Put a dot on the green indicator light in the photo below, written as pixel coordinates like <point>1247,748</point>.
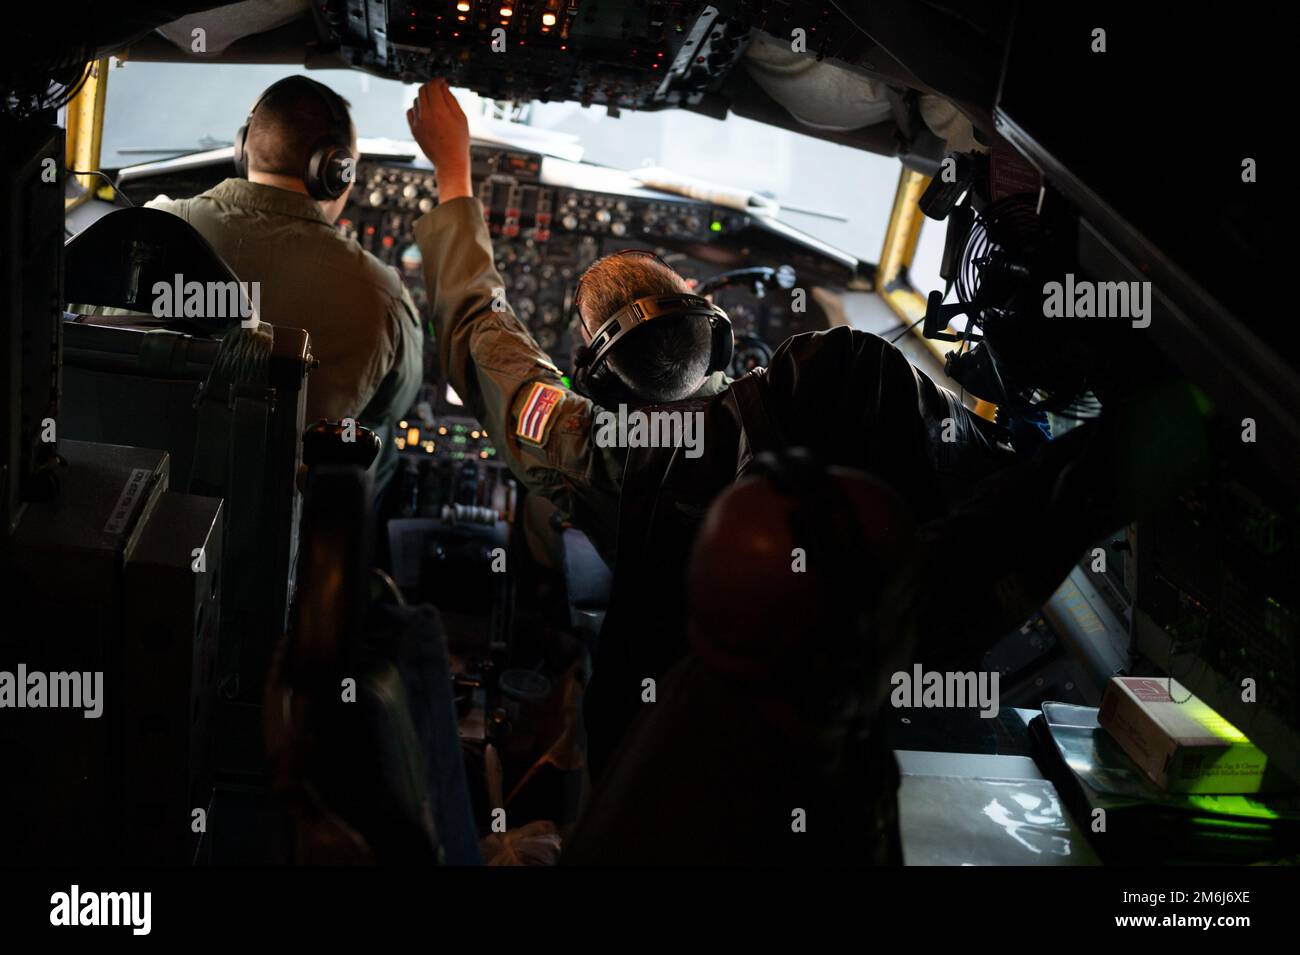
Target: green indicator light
<point>564,380</point>
<point>716,226</point>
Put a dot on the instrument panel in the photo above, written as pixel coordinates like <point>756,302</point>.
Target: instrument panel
<point>544,236</point>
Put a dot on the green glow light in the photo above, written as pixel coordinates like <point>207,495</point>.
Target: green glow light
<point>716,226</point>
<point>1239,806</point>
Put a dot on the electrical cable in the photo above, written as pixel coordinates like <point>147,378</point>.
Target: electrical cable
<point>906,330</point>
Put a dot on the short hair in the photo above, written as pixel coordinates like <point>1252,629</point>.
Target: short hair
<point>664,359</point>
<point>288,123</point>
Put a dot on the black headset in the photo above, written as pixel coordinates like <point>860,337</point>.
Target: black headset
<point>328,170</point>
<point>592,375</point>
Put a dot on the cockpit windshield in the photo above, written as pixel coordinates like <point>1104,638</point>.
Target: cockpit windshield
<point>162,110</point>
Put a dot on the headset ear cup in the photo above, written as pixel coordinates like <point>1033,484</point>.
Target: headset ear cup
<point>325,178</point>
<point>724,344</point>
<point>601,385</point>
<point>241,161</point>
<point>581,380</point>
<point>339,171</point>
<point>594,379</point>
<point>580,384</point>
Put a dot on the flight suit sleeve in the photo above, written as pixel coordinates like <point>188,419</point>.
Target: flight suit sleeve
<point>404,361</point>
<point>542,429</point>
<point>394,378</point>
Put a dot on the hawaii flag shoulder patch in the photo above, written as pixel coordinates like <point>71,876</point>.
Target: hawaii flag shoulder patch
<point>535,415</point>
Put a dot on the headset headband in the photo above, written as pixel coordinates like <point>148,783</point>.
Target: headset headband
<point>637,313</point>
<point>337,115</point>
<point>591,373</point>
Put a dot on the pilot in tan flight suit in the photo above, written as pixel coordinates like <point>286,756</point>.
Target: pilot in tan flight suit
<point>273,229</point>
<point>540,427</point>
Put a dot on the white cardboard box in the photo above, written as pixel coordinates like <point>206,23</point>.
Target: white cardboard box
<point>1178,740</point>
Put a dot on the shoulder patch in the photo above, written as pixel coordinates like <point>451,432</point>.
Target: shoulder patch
<point>535,415</point>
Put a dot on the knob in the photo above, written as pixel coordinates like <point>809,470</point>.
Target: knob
<point>570,222</point>
<point>426,204</point>
<point>328,442</point>
<point>376,198</point>
<point>618,228</point>
<point>410,192</point>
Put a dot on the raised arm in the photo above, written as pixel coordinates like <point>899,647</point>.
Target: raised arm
<point>540,428</point>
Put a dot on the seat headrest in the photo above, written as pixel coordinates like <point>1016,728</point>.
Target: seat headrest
<point>118,260</point>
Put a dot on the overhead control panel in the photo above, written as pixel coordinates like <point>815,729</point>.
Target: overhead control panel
<point>647,55</point>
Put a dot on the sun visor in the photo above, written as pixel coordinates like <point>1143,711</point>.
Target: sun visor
<point>825,96</point>
<point>223,26</point>
<point>818,94</point>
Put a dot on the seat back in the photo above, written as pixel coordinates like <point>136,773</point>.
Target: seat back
<point>119,259</point>
<point>345,751</point>
<point>224,397</point>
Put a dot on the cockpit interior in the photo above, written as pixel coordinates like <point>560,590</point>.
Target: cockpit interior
<point>1060,218</point>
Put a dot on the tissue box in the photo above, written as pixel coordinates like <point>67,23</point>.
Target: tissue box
<point>1178,740</point>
